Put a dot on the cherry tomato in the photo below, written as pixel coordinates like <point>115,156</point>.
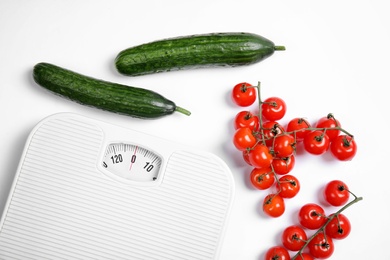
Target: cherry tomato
<point>312,216</point>
<point>277,253</point>
<point>262,178</point>
<point>284,145</point>
<point>246,119</point>
<point>298,125</point>
<point>273,108</point>
<point>316,142</point>
<point>243,139</point>
<point>273,205</point>
<point>244,94</point>
<point>293,238</point>
<point>304,256</point>
<point>336,193</point>
<point>329,122</point>
<point>343,147</point>
<point>321,246</point>
<point>245,155</point>
<point>260,156</point>
<point>288,186</point>
<point>339,227</point>
<point>283,165</point>
<point>270,130</point>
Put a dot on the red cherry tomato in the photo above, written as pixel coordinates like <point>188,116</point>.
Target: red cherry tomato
<point>329,122</point>
<point>298,125</point>
<point>321,246</point>
<point>246,119</point>
<point>284,145</point>
<point>273,108</point>
<point>260,156</point>
<point>293,238</point>
<point>336,193</point>
<point>316,142</point>
<point>283,165</point>
<point>273,205</point>
<point>312,216</point>
<point>270,130</point>
<point>262,178</point>
<point>304,256</point>
<point>245,155</point>
<point>288,186</point>
<point>244,139</point>
<point>244,94</point>
<point>277,253</point>
<point>343,147</point>
<point>339,227</point>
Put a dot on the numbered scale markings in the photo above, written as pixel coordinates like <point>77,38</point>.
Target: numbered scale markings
<point>132,162</point>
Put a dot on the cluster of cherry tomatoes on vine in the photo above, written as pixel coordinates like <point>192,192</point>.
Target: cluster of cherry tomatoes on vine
<point>325,228</point>
<point>270,148</point>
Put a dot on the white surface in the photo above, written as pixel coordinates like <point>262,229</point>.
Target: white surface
<point>337,61</point>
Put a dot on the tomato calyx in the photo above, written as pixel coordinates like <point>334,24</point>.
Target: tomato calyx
<point>261,177</point>
<point>317,214</point>
<point>340,230</point>
<point>291,182</point>
<point>302,120</point>
<point>325,244</point>
<point>347,142</point>
<point>271,103</point>
<point>269,198</point>
<point>319,138</point>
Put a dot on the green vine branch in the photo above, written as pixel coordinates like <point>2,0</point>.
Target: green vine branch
<point>322,229</point>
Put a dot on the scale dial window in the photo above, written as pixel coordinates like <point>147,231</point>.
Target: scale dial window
<point>132,162</point>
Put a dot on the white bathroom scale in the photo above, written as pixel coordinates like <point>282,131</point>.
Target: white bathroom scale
<point>87,189</point>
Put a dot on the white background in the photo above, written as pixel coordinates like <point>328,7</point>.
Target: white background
<point>337,60</point>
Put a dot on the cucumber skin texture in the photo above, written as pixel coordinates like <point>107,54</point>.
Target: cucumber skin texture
<point>113,97</point>
<point>194,51</point>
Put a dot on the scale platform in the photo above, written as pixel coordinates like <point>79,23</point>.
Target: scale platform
<point>86,189</point>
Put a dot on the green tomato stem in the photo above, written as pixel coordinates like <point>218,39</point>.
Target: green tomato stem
<point>260,112</point>
<point>322,129</point>
<point>322,229</point>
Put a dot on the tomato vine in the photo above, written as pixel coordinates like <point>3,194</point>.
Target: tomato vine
<point>270,149</point>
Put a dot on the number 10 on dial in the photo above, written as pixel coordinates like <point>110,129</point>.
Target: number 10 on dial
<point>132,162</point>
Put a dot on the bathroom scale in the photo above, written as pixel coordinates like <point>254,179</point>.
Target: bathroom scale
<point>88,189</point>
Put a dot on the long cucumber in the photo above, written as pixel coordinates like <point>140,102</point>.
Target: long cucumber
<point>195,51</point>
<point>121,99</point>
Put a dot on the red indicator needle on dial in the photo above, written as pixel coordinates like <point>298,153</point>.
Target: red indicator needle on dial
<point>132,160</point>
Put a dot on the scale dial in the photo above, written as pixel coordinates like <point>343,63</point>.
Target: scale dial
<point>132,162</point>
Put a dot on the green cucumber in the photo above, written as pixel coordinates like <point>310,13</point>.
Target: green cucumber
<point>121,99</point>
<point>195,51</point>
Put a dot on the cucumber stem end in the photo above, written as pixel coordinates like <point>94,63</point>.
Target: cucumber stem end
<point>279,48</point>
<point>183,111</point>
